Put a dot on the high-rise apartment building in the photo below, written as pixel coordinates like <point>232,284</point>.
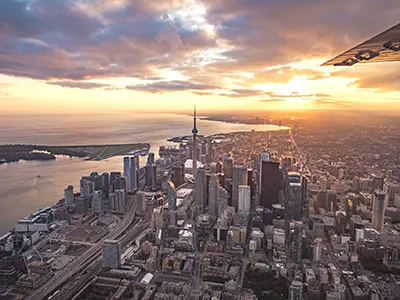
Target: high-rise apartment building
<point>133,175</point>
<point>244,198</point>
<point>82,205</point>
<point>269,183</point>
<point>151,158</point>
<point>69,195</point>
<point>97,202</point>
<point>239,178</point>
<point>120,201</point>
<point>147,175</point>
<point>378,212</point>
<point>114,176</point>
<point>105,180</point>
<point>111,254</point>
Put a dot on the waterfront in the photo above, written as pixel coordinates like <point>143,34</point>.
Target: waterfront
<point>22,193</point>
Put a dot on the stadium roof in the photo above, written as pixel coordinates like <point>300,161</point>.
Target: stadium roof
<point>383,47</point>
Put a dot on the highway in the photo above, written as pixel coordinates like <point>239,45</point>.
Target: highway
<point>84,276</point>
<point>87,257</point>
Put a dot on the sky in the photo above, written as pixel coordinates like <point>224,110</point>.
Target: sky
<point>94,56</point>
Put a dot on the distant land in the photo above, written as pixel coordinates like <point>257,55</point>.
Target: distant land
<point>244,120</point>
<point>13,153</point>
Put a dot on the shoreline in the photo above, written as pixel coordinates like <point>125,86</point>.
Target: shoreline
<point>10,153</point>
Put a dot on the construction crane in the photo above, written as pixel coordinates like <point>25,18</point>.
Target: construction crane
<point>41,258</point>
<point>27,266</point>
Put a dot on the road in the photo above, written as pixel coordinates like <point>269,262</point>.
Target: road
<point>83,277</point>
<point>84,259</point>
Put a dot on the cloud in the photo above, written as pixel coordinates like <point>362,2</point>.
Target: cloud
<point>202,93</point>
<point>71,40</point>
<point>239,93</point>
<point>214,44</point>
<point>382,78</point>
<point>298,95</point>
<point>81,85</point>
<point>272,100</point>
<point>170,86</point>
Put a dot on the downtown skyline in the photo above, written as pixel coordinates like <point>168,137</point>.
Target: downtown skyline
<point>98,56</point>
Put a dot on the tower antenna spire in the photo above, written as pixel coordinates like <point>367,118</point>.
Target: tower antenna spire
<point>194,153</point>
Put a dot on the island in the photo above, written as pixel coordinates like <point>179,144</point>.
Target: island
<point>16,152</point>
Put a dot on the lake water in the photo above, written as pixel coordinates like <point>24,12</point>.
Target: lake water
<point>22,193</point>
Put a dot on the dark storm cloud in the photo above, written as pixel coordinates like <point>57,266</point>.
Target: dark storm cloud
<point>170,86</point>
<point>81,85</point>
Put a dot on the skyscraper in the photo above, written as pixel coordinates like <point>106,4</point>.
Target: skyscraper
<point>304,195</point>
<point>105,180</point>
<point>120,201</point>
<point>69,195</point>
<point>377,183</point>
<point>171,196</point>
<point>111,254</point>
<point>293,201</point>
<point>154,176</point>
<point>228,167</point>
<point>97,202</point>
<point>147,174</point>
<point>213,195</point>
<point>194,132</point>
<point>222,199</point>
<point>114,176</point>
<point>262,157</point>
<point>378,213</point>
<point>269,183</point>
<point>297,242</point>
<point>130,172</point>
<point>244,198</point>
<point>133,173</point>
<point>82,205</point>
<point>239,178</point>
<point>150,158</point>
<point>201,192</point>
<point>317,249</point>
<point>178,174</point>
<point>127,165</point>
<point>86,187</point>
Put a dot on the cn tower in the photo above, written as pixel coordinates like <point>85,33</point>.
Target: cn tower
<point>194,156</point>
